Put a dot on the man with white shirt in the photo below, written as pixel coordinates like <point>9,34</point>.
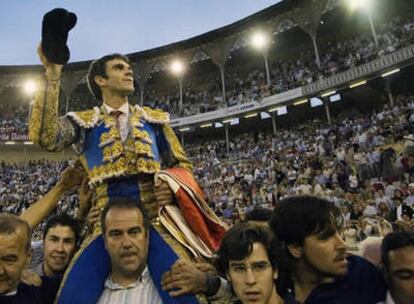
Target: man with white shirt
<point>125,230</point>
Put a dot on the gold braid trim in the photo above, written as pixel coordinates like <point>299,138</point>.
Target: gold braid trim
<point>143,149</point>
<point>101,201</point>
<point>109,137</point>
<point>35,119</point>
<point>147,166</point>
<point>86,119</point>
<point>146,192</point>
<point>113,151</point>
<point>100,173</point>
<point>43,125</point>
<point>142,135</point>
<point>155,116</point>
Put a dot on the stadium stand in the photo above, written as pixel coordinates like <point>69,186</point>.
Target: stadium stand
<point>350,157</point>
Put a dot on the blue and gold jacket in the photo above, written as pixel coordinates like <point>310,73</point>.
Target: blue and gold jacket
<point>115,168</point>
<point>151,143</point>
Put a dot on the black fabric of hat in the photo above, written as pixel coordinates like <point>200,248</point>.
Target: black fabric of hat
<point>56,25</point>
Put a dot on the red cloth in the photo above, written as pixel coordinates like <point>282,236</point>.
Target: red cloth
<point>206,228</point>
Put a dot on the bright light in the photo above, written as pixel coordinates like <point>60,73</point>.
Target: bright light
<point>326,94</point>
<point>30,87</point>
<point>357,84</point>
<point>227,120</point>
<point>260,41</point>
<point>184,129</point>
<point>360,4</point>
<point>206,125</point>
<point>390,73</point>
<point>28,143</point>
<point>177,67</point>
<point>250,115</point>
<point>300,102</point>
<point>273,109</point>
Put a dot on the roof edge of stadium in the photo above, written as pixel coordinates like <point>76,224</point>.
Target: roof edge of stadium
<point>224,31</point>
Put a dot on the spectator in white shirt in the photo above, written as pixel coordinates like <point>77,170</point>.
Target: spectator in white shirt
<point>125,231</point>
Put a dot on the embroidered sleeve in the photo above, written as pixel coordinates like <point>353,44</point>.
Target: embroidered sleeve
<point>45,127</point>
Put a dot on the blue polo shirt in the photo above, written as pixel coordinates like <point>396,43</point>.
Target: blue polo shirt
<point>363,284</point>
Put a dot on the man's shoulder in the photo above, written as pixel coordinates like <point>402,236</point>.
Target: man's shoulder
<point>86,119</point>
<point>366,277</point>
<point>363,283</point>
<point>357,264</point>
<point>156,116</point>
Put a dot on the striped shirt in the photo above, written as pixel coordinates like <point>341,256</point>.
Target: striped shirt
<point>143,291</point>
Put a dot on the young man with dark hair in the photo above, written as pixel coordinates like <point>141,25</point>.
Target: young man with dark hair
<point>248,258</point>
<point>15,236</point>
<point>319,269</point>
<point>122,147</point>
<point>186,277</point>
<point>60,239</point>
<point>397,252</point>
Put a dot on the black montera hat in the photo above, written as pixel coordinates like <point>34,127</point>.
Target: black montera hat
<point>56,25</point>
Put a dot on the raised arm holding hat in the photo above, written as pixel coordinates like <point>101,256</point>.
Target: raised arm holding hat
<point>122,147</point>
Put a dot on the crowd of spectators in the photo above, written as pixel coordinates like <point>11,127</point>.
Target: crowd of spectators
<point>357,162</point>
<point>23,184</point>
<point>13,122</point>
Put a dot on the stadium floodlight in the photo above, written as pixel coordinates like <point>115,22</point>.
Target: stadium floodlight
<point>177,67</point>
<point>360,4</point>
<point>206,125</point>
<point>367,6</point>
<point>30,87</point>
<point>326,94</point>
<point>273,109</point>
<point>227,120</point>
<point>390,73</point>
<point>300,102</point>
<point>184,129</point>
<point>260,40</point>
<point>357,84</point>
<point>250,115</point>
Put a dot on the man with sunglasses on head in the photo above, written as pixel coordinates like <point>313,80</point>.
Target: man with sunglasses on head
<point>319,270</point>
